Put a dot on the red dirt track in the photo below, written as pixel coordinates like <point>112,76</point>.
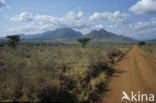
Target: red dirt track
<point>134,72</point>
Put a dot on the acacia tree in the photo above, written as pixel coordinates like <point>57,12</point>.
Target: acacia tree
<point>141,43</point>
<point>13,40</point>
<point>83,41</point>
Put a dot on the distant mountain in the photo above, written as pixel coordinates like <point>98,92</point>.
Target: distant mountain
<point>105,36</point>
<point>100,34</point>
<point>152,41</point>
<point>2,39</point>
<point>60,34</point>
<point>67,34</point>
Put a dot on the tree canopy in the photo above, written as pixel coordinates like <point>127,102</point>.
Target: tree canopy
<point>13,40</point>
<point>141,43</point>
<point>83,41</point>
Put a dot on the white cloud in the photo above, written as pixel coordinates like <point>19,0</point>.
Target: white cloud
<point>80,14</point>
<point>8,7</point>
<point>143,30</point>
<point>71,20</point>
<point>2,2</point>
<point>27,29</point>
<point>116,17</point>
<point>76,21</point>
<point>23,17</point>
<point>144,7</point>
<point>45,19</point>
<point>147,25</point>
<point>40,23</point>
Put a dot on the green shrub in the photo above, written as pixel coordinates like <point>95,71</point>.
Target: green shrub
<point>83,41</point>
<point>13,40</point>
<point>141,43</point>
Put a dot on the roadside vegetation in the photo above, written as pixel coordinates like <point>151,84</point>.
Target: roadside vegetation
<point>56,73</point>
<point>149,50</point>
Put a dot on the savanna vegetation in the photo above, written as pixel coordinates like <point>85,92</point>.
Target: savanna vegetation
<point>141,43</point>
<point>56,73</point>
<point>13,40</point>
<point>149,50</point>
<point>83,41</point>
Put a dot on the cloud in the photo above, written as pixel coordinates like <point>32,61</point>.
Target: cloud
<point>71,20</point>
<point>8,7</point>
<point>118,23</point>
<point>143,30</point>
<point>77,21</point>
<point>116,17</point>
<point>144,7</point>
<point>27,29</point>
<point>23,17</point>
<point>146,25</point>
<point>2,2</point>
<point>40,23</point>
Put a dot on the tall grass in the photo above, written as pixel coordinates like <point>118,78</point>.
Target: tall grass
<point>43,73</point>
<point>149,50</point>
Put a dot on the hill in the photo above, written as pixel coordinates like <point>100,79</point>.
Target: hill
<point>105,36</point>
<point>62,34</point>
<point>68,34</point>
<point>152,41</point>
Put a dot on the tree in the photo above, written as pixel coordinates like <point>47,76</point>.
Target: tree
<point>13,40</point>
<point>83,41</point>
<point>141,43</point>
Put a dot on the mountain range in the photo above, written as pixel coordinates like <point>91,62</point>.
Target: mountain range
<point>62,34</point>
<point>68,34</point>
<point>152,41</point>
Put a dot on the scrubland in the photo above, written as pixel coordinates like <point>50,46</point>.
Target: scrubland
<point>57,73</point>
<point>149,50</point>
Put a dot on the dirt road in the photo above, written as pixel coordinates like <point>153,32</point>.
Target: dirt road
<point>135,72</point>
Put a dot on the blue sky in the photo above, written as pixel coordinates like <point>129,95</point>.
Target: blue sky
<point>132,18</point>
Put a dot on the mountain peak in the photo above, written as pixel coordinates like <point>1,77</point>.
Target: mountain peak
<point>64,29</point>
<point>68,34</point>
<point>105,36</point>
<point>61,34</point>
<point>102,30</point>
<point>100,34</point>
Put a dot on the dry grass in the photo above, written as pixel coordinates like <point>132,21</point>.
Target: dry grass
<point>56,73</point>
<point>149,50</point>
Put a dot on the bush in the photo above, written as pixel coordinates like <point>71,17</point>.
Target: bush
<point>83,41</point>
<point>142,43</point>
<point>54,73</point>
<point>115,54</point>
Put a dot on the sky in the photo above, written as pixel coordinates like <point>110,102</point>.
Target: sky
<point>132,18</point>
